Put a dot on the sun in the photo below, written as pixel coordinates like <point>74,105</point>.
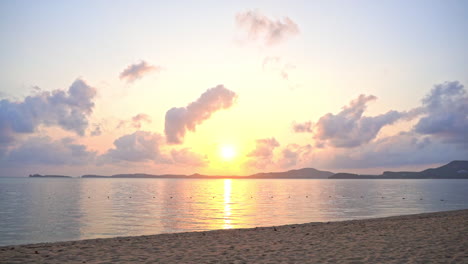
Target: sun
<point>227,152</point>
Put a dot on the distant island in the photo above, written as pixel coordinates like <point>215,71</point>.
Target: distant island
<point>454,170</point>
<point>305,173</point>
<point>48,176</point>
<point>457,169</point>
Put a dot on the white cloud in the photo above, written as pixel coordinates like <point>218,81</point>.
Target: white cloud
<point>276,65</point>
<point>403,149</point>
<point>140,146</point>
<point>305,127</point>
<point>439,136</point>
<point>46,151</point>
<point>188,158</point>
<point>180,119</point>
<point>139,119</point>
<point>293,155</point>
<point>263,154</point>
<point>446,108</point>
<point>135,122</point>
<point>136,71</point>
<point>67,109</point>
<point>144,146</point>
<point>349,128</point>
<point>265,29</point>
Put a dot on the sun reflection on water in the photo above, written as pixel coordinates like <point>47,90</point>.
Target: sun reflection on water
<point>227,204</point>
<point>98,208</point>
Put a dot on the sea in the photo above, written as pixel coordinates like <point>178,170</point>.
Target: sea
<point>34,210</point>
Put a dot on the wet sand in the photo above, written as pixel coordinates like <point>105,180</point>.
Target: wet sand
<point>424,238</point>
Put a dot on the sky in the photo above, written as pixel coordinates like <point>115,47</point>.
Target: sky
<point>231,88</point>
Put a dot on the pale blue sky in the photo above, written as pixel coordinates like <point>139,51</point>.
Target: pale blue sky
<point>54,41</point>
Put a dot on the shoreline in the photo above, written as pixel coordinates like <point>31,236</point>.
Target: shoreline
<point>418,238</point>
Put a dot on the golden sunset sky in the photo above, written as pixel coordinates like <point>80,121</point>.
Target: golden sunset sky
<point>238,87</point>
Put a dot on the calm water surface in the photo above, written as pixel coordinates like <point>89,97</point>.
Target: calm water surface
<point>47,210</point>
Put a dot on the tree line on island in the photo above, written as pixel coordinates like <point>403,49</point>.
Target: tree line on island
<point>454,170</point>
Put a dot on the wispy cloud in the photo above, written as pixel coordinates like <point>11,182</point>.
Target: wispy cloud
<point>267,30</point>
<point>187,157</point>
<point>180,119</point>
<point>305,127</point>
<point>263,154</point>
<point>277,65</point>
<point>140,118</point>
<point>135,122</point>
<point>136,71</point>
<point>294,154</point>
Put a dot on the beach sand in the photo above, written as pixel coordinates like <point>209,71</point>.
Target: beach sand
<point>424,238</point>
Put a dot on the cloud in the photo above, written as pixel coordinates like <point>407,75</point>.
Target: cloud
<point>135,122</point>
<point>144,146</point>
<point>45,151</point>
<point>136,71</point>
<point>67,109</point>
<point>189,158</point>
<point>446,113</point>
<point>305,127</point>
<point>268,31</point>
<point>275,64</point>
<point>439,135</point>
<point>264,148</point>
<point>96,131</point>
<point>268,61</point>
<point>263,154</point>
<point>180,119</point>
<point>349,128</point>
<point>403,149</point>
<point>140,118</point>
<point>140,146</point>
<point>294,154</point>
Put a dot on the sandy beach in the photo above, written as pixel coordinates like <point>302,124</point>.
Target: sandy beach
<point>424,238</point>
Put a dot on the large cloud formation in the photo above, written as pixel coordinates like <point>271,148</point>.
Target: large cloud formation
<point>446,108</point>
<point>259,26</point>
<point>136,71</point>
<point>349,128</point>
<point>144,146</point>
<point>403,149</point>
<point>439,136</point>
<point>180,119</point>
<point>45,151</point>
<point>67,109</point>
<point>140,146</point>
